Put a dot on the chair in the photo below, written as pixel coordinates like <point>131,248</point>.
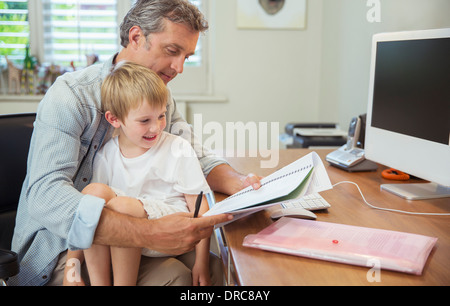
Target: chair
<point>15,136</point>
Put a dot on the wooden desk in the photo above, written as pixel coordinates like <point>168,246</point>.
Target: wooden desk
<point>257,267</point>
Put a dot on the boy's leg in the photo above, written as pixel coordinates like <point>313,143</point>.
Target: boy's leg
<point>99,190</point>
<point>98,262</point>
<point>98,257</point>
<point>127,206</point>
<point>72,273</point>
<point>57,277</point>
<point>126,261</point>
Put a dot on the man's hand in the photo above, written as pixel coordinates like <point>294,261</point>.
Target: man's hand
<point>179,233</point>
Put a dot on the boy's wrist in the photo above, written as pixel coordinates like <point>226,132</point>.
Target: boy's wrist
<point>202,252</point>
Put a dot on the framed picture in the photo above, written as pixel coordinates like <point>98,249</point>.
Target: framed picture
<point>271,14</point>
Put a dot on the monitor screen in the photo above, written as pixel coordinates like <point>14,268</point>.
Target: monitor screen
<point>408,117</point>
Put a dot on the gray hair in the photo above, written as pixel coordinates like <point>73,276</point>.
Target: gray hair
<point>149,15</point>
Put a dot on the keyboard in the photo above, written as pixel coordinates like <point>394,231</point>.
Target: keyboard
<point>309,202</point>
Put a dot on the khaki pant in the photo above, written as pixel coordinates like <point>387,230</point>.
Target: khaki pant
<point>155,271</point>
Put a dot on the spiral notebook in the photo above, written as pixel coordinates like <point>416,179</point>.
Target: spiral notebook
<point>304,176</point>
<point>361,246</point>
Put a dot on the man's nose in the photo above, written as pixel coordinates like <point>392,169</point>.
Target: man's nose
<point>178,64</point>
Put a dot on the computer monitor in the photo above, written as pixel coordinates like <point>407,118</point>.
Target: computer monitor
<point>408,116</point>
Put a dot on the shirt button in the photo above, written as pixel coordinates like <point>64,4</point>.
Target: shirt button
<point>44,277</point>
<point>85,180</point>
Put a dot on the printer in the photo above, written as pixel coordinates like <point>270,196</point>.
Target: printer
<point>306,135</point>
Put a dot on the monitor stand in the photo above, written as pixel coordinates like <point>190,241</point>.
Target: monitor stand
<point>418,191</point>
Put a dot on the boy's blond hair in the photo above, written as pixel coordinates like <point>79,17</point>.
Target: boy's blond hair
<point>129,85</point>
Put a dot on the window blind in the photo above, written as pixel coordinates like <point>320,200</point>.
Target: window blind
<point>76,28</point>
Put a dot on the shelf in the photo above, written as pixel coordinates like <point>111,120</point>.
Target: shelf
<point>21,98</point>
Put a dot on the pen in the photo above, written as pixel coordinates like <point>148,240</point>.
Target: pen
<point>198,203</point>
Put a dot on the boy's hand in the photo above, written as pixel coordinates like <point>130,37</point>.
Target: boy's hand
<point>200,275</point>
<point>252,180</point>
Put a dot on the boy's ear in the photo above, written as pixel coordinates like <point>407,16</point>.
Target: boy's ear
<point>113,120</point>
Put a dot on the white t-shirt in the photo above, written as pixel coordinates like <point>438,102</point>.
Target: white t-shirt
<point>163,174</point>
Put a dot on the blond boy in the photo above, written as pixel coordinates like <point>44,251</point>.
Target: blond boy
<point>143,172</point>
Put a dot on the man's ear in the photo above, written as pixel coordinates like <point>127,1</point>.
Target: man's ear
<point>113,120</point>
<point>134,36</point>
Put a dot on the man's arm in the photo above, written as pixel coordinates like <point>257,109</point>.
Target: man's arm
<point>173,234</point>
<point>53,161</point>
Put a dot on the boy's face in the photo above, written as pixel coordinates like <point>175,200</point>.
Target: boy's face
<point>142,129</point>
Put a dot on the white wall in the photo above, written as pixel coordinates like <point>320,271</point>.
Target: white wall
<point>346,43</point>
<point>317,74</point>
<point>267,75</point>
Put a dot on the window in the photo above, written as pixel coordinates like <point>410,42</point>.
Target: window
<point>59,31</point>
<point>196,59</point>
<point>14,29</point>
<point>73,29</point>
<point>62,32</point>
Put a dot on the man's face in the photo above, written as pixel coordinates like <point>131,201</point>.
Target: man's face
<point>166,52</point>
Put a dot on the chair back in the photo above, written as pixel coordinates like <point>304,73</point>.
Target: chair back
<point>15,136</point>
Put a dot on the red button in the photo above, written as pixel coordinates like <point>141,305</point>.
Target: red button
<point>335,241</point>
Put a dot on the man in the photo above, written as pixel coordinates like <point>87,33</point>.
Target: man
<point>70,127</point>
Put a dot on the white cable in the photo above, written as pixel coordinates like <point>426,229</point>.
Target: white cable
<point>389,209</point>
